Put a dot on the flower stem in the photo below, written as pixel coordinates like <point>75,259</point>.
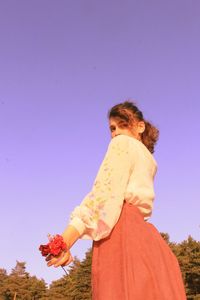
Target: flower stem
<point>64,270</point>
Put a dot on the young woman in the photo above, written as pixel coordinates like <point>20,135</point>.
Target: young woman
<point>131,261</point>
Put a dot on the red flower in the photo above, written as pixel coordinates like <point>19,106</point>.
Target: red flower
<point>55,246</point>
<point>45,250</point>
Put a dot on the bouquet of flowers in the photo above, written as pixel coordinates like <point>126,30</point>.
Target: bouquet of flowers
<point>55,246</point>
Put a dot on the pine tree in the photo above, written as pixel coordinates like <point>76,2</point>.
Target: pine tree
<point>165,236</point>
<point>3,277</point>
<point>57,289</point>
<point>64,288</point>
<point>71,280</point>
<point>82,279</point>
<point>37,288</point>
<point>20,285</point>
<point>188,254</point>
<point>20,269</point>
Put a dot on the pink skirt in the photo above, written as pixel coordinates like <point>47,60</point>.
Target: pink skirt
<point>135,263</point>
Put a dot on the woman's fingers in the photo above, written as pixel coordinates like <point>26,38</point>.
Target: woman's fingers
<point>64,259</point>
<point>68,262</point>
<point>52,261</point>
<point>49,257</point>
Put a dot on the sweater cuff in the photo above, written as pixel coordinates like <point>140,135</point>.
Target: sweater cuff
<point>78,224</point>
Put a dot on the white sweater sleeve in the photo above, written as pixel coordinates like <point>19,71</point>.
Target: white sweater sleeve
<point>99,211</point>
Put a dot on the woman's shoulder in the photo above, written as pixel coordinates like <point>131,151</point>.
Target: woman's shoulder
<point>125,140</point>
<point>134,145</point>
<point>122,141</point>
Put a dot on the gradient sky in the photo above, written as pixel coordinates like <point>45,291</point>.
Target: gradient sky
<point>63,64</point>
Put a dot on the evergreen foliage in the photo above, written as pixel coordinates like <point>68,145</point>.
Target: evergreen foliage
<point>81,289</point>
<point>76,285</point>
<point>63,288</point>
<point>20,285</point>
<point>188,254</point>
<point>20,269</point>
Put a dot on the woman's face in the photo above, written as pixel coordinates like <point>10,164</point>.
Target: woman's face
<point>135,131</point>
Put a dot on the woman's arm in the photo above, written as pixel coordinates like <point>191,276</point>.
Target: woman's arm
<point>99,211</point>
<point>70,236</point>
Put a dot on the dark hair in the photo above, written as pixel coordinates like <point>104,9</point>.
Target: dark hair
<point>126,114</point>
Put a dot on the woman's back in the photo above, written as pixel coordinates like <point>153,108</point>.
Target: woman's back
<point>140,189</point>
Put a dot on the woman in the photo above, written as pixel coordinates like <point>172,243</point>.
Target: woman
<point>130,258</point>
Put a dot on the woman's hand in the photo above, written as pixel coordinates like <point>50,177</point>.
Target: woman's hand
<point>70,236</point>
<point>64,259</point>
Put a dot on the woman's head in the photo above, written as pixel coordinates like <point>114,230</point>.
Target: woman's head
<point>126,118</point>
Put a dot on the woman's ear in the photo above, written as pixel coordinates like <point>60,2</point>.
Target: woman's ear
<point>141,126</point>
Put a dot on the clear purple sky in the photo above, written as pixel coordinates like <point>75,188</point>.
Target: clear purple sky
<point>63,64</point>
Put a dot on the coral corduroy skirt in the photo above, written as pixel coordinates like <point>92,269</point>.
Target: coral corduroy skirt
<point>135,263</point>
